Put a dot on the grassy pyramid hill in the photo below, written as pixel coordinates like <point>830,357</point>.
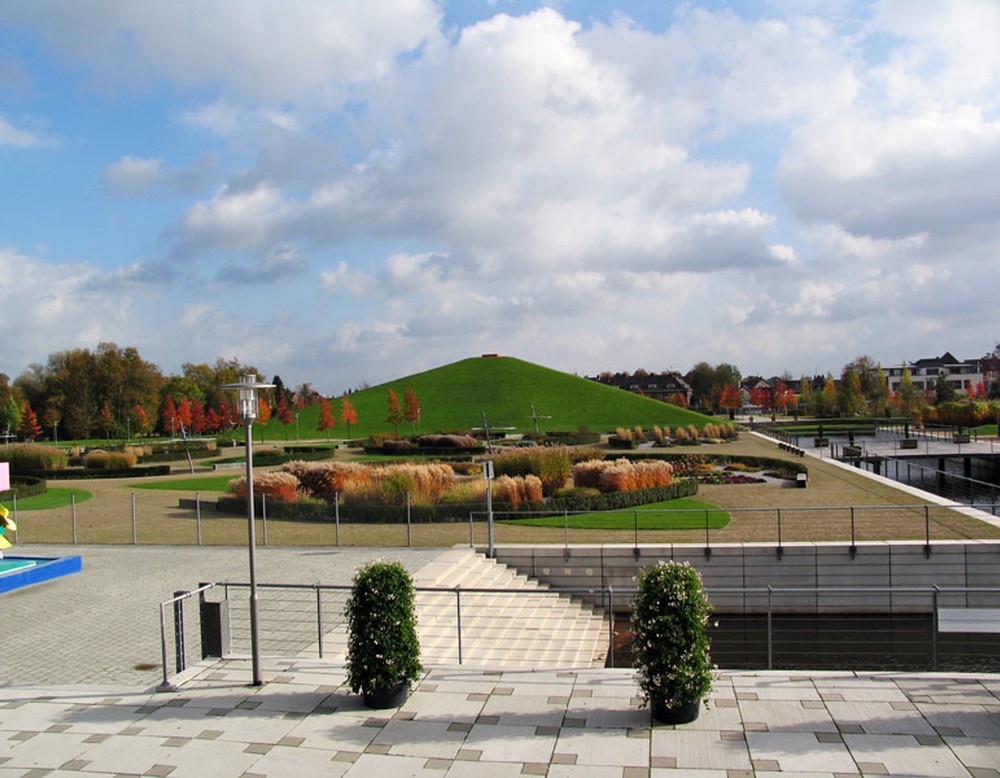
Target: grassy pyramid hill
<point>455,396</point>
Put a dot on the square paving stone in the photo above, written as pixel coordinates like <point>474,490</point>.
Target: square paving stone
<point>903,755</point>
<point>801,751</point>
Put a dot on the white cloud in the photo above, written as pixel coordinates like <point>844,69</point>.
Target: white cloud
<point>13,137</point>
<point>260,51</point>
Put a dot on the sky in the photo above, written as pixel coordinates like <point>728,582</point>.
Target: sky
<point>348,192</point>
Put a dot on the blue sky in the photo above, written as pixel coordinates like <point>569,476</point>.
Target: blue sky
<point>347,192</point>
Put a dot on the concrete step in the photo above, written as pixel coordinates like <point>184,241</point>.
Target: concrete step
<point>524,626</point>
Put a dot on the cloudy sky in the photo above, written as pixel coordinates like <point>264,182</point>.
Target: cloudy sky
<point>345,191</point>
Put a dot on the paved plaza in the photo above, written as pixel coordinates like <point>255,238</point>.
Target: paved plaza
<point>72,702</point>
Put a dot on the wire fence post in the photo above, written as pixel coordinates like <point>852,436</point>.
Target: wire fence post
<point>319,620</point>
<point>611,625</point>
<point>708,545</point>
<point>72,502</point>
<point>781,550</point>
<point>135,532</point>
<point>934,627</point>
<point>635,533</point>
<point>458,619</point>
<point>409,525</point>
<point>197,514</point>
<point>770,632</point>
<point>854,546</point>
<point>14,508</point>
<point>927,531</point>
<point>336,516</point>
<point>263,515</point>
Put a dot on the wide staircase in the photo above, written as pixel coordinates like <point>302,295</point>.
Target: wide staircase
<point>526,625</point>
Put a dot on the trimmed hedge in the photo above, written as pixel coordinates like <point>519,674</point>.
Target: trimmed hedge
<point>427,451</point>
<point>23,486</point>
<point>78,472</point>
<point>173,456</point>
<point>364,513</point>
<point>608,501</point>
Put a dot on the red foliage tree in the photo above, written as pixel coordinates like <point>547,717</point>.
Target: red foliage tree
<point>198,425</point>
<point>168,416</point>
<point>30,428</point>
<point>347,413</point>
<point>284,413</point>
<point>730,399</point>
<point>184,413</point>
<point>140,420</point>
<point>326,421</point>
<point>212,421</point>
<point>395,415</point>
<point>411,406</point>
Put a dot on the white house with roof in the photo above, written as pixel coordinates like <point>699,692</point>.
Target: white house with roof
<point>925,373</point>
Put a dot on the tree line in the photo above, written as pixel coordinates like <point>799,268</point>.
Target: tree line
<point>112,392</point>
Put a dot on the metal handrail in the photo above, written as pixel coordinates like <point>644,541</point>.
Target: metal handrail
<point>607,595</point>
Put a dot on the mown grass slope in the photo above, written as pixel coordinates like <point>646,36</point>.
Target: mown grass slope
<point>455,396</point>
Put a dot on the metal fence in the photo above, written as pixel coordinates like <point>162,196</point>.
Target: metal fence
<point>195,522</point>
<point>753,628</point>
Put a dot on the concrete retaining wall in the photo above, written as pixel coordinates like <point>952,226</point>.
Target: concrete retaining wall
<point>883,565</point>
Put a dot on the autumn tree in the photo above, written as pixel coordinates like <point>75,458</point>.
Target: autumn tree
<point>326,421</point>
<point>395,414</point>
<point>139,421</point>
<point>411,406</point>
<point>263,410</point>
<point>168,416</point>
<point>829,397</point>
<point>283,412</point>
<point>30,429</point>
<point>348,415</point>
<point>106,421</point>
<point>184,414</point>
<point>731,399</point>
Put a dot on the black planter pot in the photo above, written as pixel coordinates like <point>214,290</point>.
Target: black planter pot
<point>682,714</point>
<point>387,698</point>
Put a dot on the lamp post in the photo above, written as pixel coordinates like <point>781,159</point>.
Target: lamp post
<point>246,408</point>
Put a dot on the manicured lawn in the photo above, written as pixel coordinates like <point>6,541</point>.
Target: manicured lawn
<point>684,513</point>
<point>210,483</point>
<point>53,498</point>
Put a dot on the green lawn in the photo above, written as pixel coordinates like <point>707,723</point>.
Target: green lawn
<point>683,513</point>
<point>209,483</point>
<point>53,498</point>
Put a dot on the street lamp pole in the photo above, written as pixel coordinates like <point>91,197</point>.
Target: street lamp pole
<point>246,391</point>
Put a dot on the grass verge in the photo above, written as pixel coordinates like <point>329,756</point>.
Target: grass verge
<point>683,513</point>
<point>53,498</point>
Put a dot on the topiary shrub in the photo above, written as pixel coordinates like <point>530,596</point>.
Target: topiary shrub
<point>670,626</point>
<point>383,651</point>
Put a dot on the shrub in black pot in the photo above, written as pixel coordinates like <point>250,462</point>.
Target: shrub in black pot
<point>383,652</point>
<point>670,616</point>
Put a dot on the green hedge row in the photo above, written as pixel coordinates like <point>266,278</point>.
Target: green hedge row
<point>609,501</point>
<point>23,486</point>
<point>364,513</point>
<point>427,451</point>
<point>173,456</point>
<point>70,473</point>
